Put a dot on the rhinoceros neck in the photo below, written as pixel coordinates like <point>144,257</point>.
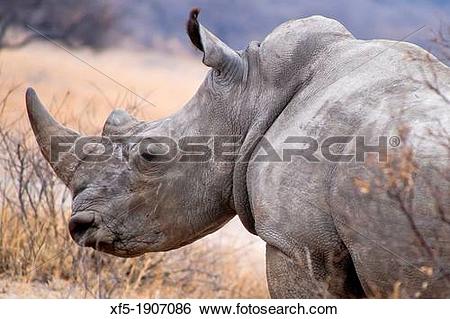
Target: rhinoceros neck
<point>250,121</point>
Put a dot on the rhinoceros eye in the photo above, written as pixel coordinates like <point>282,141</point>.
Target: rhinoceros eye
<point>154,152</point>
<point>147,156</point>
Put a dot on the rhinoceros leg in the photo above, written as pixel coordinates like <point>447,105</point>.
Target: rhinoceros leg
<point>286,279</point>
<point>306,258</point>
<point>289,278</point>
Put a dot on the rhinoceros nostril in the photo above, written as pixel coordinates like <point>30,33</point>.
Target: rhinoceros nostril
<point>80,223</point>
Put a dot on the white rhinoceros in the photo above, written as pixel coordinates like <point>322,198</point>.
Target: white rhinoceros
<point>329,232</point>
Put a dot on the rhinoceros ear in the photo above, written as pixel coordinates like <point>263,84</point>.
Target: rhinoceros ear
<point>118,122</point>
<point>216,54</point>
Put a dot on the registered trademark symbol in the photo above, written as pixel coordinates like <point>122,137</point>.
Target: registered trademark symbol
<point>394,141</point>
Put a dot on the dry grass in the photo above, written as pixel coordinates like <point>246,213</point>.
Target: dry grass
<point>37,256</point>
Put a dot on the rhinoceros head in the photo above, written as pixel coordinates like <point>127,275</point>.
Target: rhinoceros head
<point>134,201</point>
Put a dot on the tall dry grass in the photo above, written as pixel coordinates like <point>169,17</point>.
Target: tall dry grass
<point>35,247</point>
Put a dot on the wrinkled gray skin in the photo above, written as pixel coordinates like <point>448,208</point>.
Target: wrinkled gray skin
<point>308,77</point>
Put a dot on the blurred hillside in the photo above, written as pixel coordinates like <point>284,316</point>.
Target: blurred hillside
<point>161,23</point>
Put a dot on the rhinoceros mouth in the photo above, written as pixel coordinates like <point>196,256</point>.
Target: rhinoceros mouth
<point>96,238</point>
<point>98,243</point>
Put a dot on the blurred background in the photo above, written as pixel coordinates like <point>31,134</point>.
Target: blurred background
<point>69,51</point>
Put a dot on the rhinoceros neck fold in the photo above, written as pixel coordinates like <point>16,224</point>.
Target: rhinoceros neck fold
<point>253,134</point>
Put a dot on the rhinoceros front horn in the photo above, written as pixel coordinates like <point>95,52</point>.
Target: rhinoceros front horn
<point>50,135</point>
